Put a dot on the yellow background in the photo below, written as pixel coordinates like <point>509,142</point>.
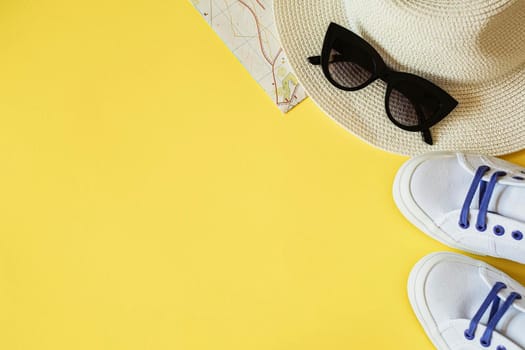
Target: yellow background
<point>153,197</point>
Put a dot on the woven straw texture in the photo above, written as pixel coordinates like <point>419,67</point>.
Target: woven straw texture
<point>476,53</point>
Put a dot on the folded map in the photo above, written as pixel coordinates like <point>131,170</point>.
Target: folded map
<point>248,29</point>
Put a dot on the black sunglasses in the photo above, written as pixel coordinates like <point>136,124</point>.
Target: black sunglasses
<point>412,103</point>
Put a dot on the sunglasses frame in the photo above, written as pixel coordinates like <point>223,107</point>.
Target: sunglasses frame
<point>391,77</point>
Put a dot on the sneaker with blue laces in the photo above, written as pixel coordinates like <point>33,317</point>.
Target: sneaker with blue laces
<point>465,304</point>
<point>469,202</point>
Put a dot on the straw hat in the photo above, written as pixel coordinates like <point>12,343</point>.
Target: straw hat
<point>473,49</point>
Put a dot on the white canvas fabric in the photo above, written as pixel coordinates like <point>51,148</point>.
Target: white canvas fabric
<point>473,49</point>
<point>446,290</point>
<point>431,190</point>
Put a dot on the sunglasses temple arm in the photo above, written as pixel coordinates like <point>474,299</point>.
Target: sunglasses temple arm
<point>427,136</point>
<point>315,60</point>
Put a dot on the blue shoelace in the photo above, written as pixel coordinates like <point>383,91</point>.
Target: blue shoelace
<point>485,194</point>
<point>496,313</point>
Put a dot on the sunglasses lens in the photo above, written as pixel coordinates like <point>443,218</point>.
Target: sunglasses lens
<point>350,66</point>
<point>401,108</point>
<point>402,105</point>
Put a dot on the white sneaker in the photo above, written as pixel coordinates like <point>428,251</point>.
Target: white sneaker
<point>466,304</point>
<point>440,194</point>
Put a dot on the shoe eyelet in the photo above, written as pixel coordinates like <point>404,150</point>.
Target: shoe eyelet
<point>464,225</point>
<point>520,178</point>
<point>501,347</point>
<point>484,343</point>
<point>498,230</point>
<point>468,335</point>
<point>517,235</point>
<point>481,228</point>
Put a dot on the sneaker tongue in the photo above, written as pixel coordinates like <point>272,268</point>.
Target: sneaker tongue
<point>515,174</point>
<point>491,277</point>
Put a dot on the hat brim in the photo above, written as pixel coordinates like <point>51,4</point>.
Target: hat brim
<point>490,117</point>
